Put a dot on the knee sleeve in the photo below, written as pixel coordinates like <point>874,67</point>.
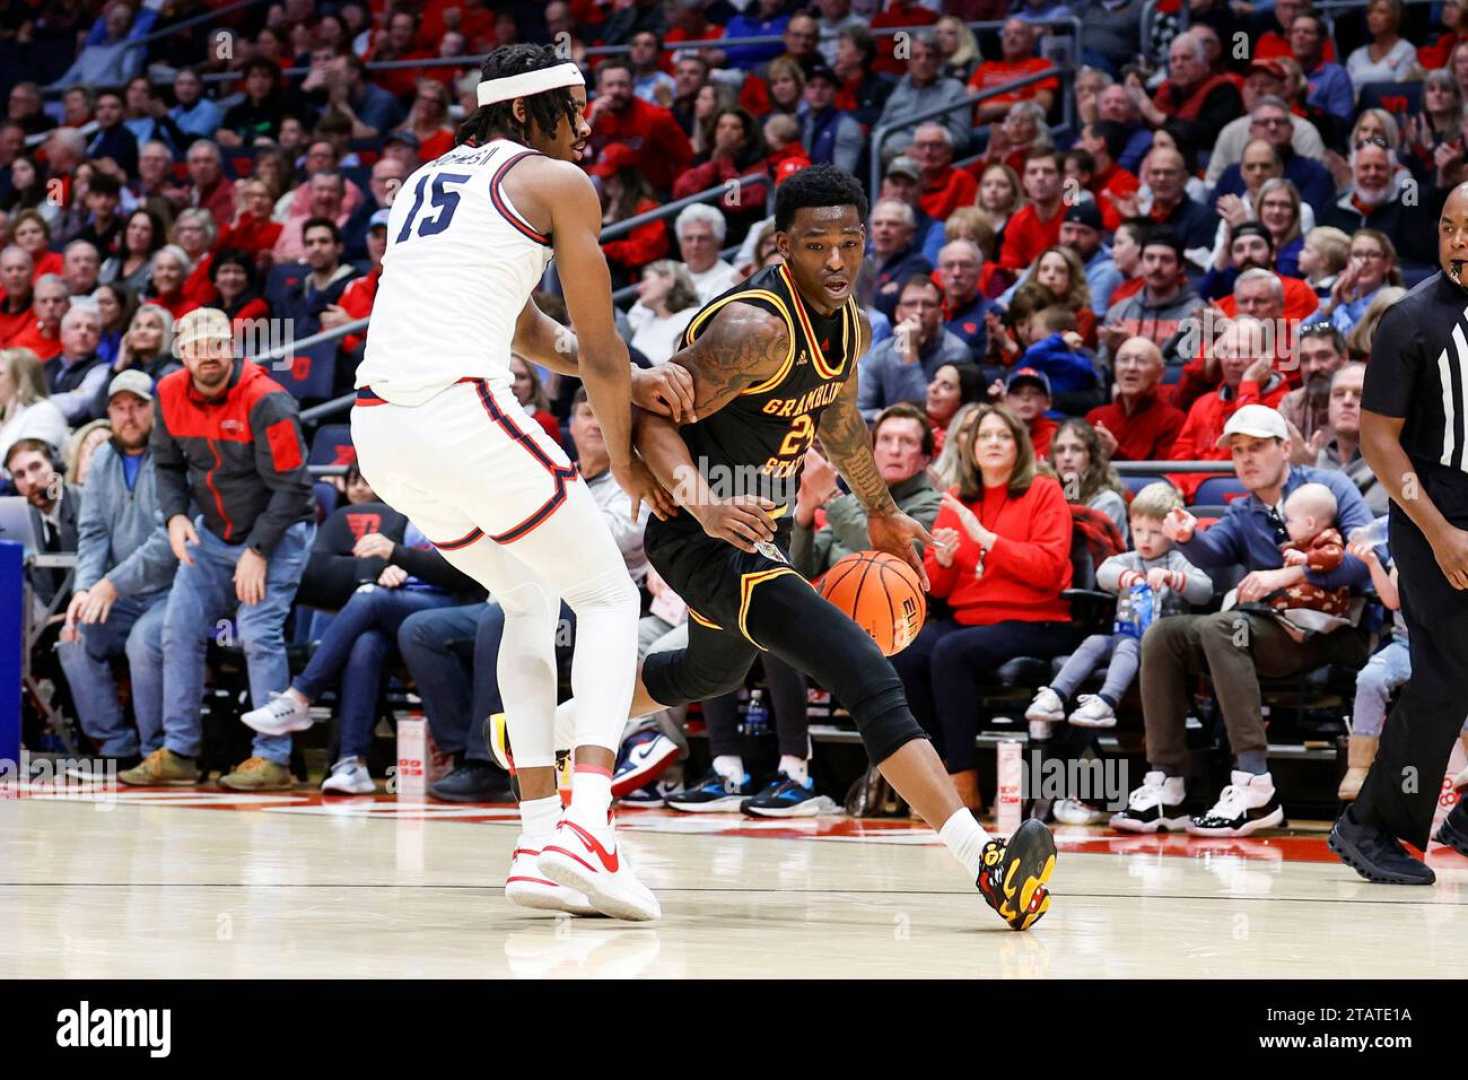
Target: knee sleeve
<point>679,676</point>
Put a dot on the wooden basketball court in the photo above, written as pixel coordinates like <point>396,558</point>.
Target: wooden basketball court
<point>207,884</point>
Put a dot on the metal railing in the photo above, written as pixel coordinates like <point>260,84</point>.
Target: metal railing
<point>622,228</point>
<point>881,131</point>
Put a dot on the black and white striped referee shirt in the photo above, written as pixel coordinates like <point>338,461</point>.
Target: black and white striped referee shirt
<point>1419,372</point>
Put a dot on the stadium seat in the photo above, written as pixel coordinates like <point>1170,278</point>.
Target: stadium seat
<point>1219,491</point>
<point>283,277</point>
<point>332,445</point>
<point>1400,98</point>
<point>1172,374</point>
<point>1135,482</point>
<point>327,497</point>
<point>310,374</point>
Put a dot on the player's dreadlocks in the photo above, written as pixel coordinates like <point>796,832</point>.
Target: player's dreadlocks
<point>544,110</point>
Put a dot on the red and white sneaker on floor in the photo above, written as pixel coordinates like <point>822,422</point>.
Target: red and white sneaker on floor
<point>527,887</point>
<point>589,860</point>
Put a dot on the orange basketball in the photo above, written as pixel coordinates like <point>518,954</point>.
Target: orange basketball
<point>883,596</point>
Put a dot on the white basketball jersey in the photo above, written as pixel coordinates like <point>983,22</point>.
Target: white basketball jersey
<point>460,264</point>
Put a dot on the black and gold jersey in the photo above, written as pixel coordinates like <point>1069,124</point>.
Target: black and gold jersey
<point>756,443</point>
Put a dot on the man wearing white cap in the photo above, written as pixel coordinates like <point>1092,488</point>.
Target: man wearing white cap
<point>1238,646</point>
<point>123,571</point>
<point>227,437</point>
<point>441,438</point>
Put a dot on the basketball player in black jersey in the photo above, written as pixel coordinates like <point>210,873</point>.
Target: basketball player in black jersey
<point>774,366</point>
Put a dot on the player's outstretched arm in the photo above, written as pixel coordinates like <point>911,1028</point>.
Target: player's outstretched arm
<point>847,444</point>
<point>665,389</point>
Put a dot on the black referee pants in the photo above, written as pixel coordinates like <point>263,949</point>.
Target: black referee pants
<point>1402,789</point>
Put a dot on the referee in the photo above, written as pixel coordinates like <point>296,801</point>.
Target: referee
<point>1414,435</point>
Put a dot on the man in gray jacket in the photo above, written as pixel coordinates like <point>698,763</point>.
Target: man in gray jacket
<point>900,367</point>
<point>902,447</point>
<point>925,87</point>
<point>124,570</point>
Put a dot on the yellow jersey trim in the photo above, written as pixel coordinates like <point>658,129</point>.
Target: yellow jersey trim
<point>696,326</point>
<point>747,583</point>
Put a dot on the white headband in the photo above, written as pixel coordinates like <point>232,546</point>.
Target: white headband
<point>531,82</point>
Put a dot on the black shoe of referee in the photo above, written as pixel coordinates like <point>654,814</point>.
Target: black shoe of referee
<point>1454,829</point>
<point>1013,875</point>
<point>1375,854</point>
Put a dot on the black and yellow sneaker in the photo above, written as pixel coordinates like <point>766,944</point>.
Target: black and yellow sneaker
<point>1013,876</point>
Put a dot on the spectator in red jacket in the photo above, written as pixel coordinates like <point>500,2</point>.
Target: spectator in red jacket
<point>195,231</point>
<point>15,293</point>
<point>1138,425</point>
<point>397,43</point>
<point>617,115</point>
<point>1245,360</point>
<point>209,187</point>
<point>944,188</point>
<point>171,268</point>
<point>1036,225</point>
<point>232,273</point>
<point>1001,560</point>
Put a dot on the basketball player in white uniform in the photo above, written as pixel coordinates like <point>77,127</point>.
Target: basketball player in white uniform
<point>440,437</point>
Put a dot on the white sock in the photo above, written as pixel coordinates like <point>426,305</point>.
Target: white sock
<point>730,767</point>
<point>794,768</point>
<point>538,817</point>
<point>965,838</point>
<point>591,794</point>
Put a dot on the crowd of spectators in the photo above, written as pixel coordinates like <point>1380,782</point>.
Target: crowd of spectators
<point>1113,263</point>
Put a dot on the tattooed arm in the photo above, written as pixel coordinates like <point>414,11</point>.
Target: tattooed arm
<point>847,444</point>
<point>742,347</point>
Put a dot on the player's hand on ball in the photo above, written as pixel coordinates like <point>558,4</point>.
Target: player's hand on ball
<point>895,534</point>
<point>743,521</point>
<point>1451,550</point>
<point>1179,525</point>
<point>945,546</point>
<point>666,390</point>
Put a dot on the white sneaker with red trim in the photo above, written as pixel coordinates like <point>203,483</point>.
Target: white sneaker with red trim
<point>589,860</point>
<point>526,886</point>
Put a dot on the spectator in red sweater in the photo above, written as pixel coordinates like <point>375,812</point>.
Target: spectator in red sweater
<point>252,230</point>
<point>532,396</point>
<point>42,335</point>
<point>1138,425</point>
<point>617,115</point>
<point>171,268</point>
<point>15,293</point>
<point>1001,559</point>
<point>1245,362</point>
<point>1196,102</point>
<point>1036,225</point>
<point>31,232</point>
<point>738,150</point>
<point>944,188</point>
<point>1104,140</point>
<point>194,231</point>
<point>397,43</point>
<point>1017,42</point>
<point>624,194</point>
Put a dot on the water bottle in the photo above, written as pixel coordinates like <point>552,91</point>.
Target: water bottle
<point>757,717</point>
<point>1374,534</point>
<point>1144,605</point>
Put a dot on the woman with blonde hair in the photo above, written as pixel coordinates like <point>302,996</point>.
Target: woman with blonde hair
<point>667,300</point>
<point>1358,341</point>
<point>944,470</point>
<point>1001,559</point>
<point>26,411</point>
<point>958,47</point>
<point>1323,256</point>
<point>1372,267</point>
<point>1000,197</point>
<point>787,86</point>
<point>80,447</point>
